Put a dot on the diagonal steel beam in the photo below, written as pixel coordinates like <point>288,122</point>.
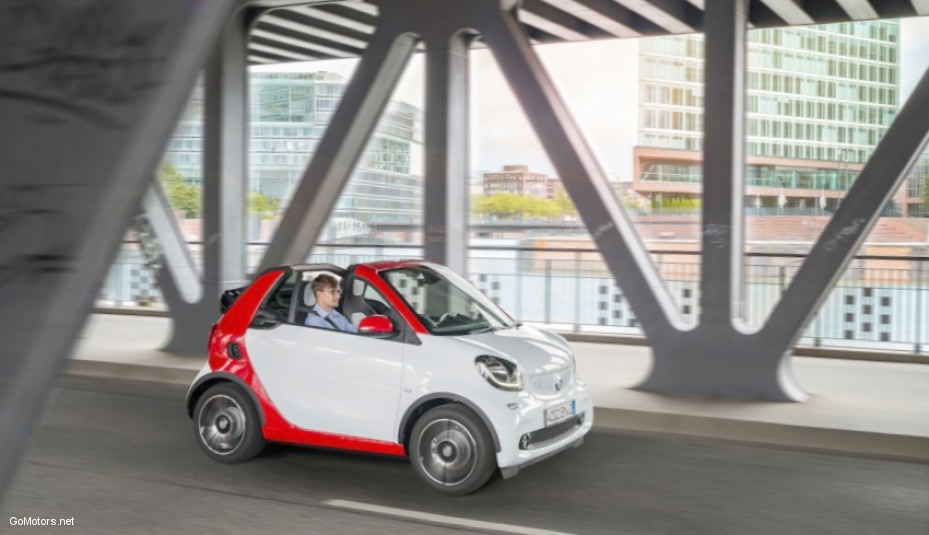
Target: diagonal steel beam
<point>303,29</point>
<point>674,16</point>
<point>257,47</point>
<point>348,12</point>
<point>585,182</point>
<point>268,57</point>
<point>293,37</point>
<point>320,13</point>
<point>582,10</point>
<point>179,273</point>
<point>338,151</point>
<point>563,19</point>
<point>858,9</point>
<point>302,17</point>
<point>111,124</point>
<point>880,178</point>
<point>261,42</point>
<point>790,11</point>
<point>723,162</point>
<point>538,35</point>
<point>762,16</point>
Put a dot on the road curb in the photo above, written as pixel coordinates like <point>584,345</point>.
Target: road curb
<point>130,372</point>
<point>902,447</point>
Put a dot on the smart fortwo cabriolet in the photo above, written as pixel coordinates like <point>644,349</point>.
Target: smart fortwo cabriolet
<point>436,372</point>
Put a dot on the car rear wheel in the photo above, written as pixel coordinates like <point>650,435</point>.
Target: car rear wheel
<point>226,425</point>
<point>452,451</point>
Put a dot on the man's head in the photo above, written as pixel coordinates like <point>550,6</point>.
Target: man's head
<point>326,289</point>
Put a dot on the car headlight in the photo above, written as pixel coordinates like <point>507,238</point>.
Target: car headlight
<point>500,373</point>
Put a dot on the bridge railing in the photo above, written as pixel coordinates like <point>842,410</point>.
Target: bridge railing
<point>880,302</point>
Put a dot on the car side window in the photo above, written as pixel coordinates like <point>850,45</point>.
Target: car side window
<point>278,302</point>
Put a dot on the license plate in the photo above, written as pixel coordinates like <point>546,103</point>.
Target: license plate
<point>560,413</point>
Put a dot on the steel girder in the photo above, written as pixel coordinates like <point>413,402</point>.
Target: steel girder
<point>401,27</point>
<point>446,176</point>
<point>719,356</point>
<point>90,92</point>
<point>345,26</point>
<point>179,278</point>
<point>224,196</point>
<point>338,151</point>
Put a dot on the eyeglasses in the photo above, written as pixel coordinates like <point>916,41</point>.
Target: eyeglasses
<point>334,292</point>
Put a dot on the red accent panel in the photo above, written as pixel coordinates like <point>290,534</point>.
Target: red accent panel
<point>371,275</point>
<point>305,437</point>
<point>232,325</point>
<point>231,328</point>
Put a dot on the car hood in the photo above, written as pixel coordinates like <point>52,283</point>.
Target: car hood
<point>534,350</point>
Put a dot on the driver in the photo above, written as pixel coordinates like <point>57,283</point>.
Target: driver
<point>324,314</point>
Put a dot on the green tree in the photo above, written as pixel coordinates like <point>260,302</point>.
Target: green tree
<point>512,206</point>
<point>539,208</point>
<point>183,197</point>
<point>501,205</point>
<point>565,204</point>
<point>266,207</point>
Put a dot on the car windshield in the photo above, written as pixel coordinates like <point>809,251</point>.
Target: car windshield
<point>445,302</point>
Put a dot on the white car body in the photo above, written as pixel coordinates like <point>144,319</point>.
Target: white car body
<point>365,390</point>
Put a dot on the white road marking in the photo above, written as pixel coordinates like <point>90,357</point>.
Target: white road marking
<point>441,519</point>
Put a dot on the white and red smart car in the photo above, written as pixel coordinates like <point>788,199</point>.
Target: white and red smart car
<point>437,373</point>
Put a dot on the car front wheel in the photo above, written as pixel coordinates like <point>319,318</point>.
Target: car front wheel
<point>452,451</point>
<point>226,425</point>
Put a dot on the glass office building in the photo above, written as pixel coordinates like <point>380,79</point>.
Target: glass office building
<point>819,100</point>
<point>289,114</point>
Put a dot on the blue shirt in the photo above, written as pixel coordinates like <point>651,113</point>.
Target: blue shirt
<point>320,320</point>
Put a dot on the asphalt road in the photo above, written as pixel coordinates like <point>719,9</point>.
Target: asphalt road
<point>120,457</point>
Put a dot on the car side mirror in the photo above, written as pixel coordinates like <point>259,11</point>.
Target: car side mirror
<point>265,319</point>
<point>377,326</point>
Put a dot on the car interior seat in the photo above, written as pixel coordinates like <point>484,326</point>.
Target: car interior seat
<point>353,305</point>
<point>356,307</point>
<point>306,301</point>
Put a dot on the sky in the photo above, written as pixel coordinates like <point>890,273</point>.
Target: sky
<point>598,80</point>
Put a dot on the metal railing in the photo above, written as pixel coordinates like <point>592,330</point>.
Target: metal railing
<point>879,303</point>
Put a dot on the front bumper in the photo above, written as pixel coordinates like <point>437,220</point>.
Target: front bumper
<point>528,421</point>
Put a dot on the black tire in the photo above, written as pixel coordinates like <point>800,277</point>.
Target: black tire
<point>452,451</point>
<point>226,425</point>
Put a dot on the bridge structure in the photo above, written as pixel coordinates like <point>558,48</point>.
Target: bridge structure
<point>104,82</point>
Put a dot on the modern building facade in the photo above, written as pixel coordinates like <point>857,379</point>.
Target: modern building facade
<point>819,100</point>
<point>289,115</point>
